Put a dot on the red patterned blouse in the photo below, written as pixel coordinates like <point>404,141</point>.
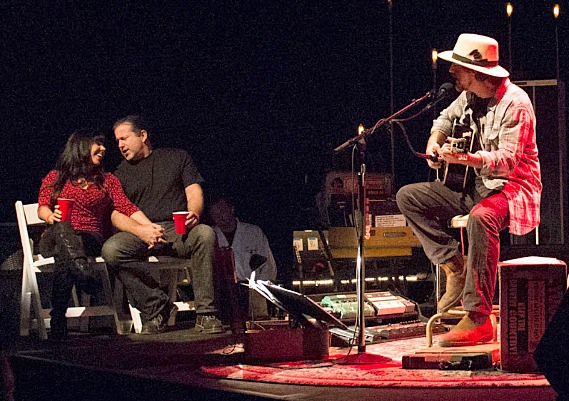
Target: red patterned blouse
<point>93,206</point>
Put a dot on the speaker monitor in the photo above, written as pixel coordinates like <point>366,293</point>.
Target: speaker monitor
<point>552,352</point>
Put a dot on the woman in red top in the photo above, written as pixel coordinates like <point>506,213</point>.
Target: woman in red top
<point>78,175</point>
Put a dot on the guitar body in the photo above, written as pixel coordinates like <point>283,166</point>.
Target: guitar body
<point>456,175</point>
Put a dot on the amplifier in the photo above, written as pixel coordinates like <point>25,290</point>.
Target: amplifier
<point>285,344</point>
<point>531,290</point>
<point>383,242</point>
<point>548,99</point>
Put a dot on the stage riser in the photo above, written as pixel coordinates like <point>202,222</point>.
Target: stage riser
<point>39,379</point>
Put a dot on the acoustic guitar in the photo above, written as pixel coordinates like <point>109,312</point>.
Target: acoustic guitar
<point>461,141</point>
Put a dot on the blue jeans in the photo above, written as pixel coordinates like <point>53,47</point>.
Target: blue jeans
<point>429,206</point>
<point>126,255</point>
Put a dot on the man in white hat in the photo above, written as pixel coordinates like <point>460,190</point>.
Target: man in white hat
<point>502,187</point>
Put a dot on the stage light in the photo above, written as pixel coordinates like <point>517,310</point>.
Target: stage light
<point>556,11</point>
<point>434,57</point>
<point>330,282</point>
<point>509,11</point>
<point>316,283</point>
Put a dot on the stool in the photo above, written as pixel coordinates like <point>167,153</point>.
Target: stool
<point>458,221</point>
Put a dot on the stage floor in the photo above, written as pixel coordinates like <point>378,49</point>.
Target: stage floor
<point>185,365</point>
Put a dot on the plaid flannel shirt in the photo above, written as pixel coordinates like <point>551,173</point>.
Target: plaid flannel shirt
<point>508,149</point>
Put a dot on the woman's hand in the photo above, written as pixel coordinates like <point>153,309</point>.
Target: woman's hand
<point>55,216</point>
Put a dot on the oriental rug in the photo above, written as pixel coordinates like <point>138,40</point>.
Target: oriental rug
<point>387,373</point>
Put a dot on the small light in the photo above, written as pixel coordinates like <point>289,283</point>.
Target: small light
<point>434,56</point>
<point>509,9</point>
<point>556,11</point>
<point>360,129</point>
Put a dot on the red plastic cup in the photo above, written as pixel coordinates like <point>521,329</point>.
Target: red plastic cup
<point>180,222</point>
<point>66,207</point>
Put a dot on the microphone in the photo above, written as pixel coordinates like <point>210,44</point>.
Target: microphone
<point>444,91</point>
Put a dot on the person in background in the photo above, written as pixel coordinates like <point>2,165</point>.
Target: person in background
<point>333,205</point>
<point>250,247</point>
<point>78,175</point>
<point>502,186</point>
<point>160,182</point>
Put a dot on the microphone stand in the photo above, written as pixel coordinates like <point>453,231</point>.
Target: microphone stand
<point>368,132</point>
<point>363,358</point>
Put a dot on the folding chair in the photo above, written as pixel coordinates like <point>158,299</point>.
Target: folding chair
<point>35,264</point>
<point>170,269</point>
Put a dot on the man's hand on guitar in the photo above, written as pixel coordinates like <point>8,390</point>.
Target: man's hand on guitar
<point>434,150</point>
<point>451,156</point>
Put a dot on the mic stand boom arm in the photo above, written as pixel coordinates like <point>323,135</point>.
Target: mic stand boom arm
<point>360,264</point>
<point>368,132</point>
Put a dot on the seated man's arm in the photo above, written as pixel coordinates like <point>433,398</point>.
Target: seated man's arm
<point>139,225</point>
<point>194,198</point>
<point>139,217</point>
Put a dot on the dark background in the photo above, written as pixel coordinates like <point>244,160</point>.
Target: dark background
<point>259,92</point>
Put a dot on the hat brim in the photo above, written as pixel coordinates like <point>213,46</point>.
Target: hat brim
<point>495,71</point>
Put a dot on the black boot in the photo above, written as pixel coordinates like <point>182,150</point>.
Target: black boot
<point>71,267</point>
<point>58,331</point>
<point>69,249</point>
<point>61,292</point>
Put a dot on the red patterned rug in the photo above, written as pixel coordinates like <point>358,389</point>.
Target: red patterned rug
<point>331,371</point>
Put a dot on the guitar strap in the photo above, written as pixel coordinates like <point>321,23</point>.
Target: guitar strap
<point>475,111</point>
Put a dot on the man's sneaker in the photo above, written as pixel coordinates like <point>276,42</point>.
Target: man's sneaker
<point>158,324</point>
<point>208,324</point>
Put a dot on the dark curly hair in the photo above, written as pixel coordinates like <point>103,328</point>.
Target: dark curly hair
<point>75,161</point>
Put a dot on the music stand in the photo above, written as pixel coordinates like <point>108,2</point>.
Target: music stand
<point>298,306</point>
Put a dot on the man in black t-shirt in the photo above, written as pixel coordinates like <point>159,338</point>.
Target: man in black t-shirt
<point>159,182</point>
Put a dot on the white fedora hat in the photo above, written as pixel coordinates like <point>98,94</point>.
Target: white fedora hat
<point>476,52</point>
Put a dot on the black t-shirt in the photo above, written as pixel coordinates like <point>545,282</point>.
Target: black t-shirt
<point>156,184</point>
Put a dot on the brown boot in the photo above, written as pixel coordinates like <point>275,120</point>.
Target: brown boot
<point>455,270</point>
<point>474,328</point>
